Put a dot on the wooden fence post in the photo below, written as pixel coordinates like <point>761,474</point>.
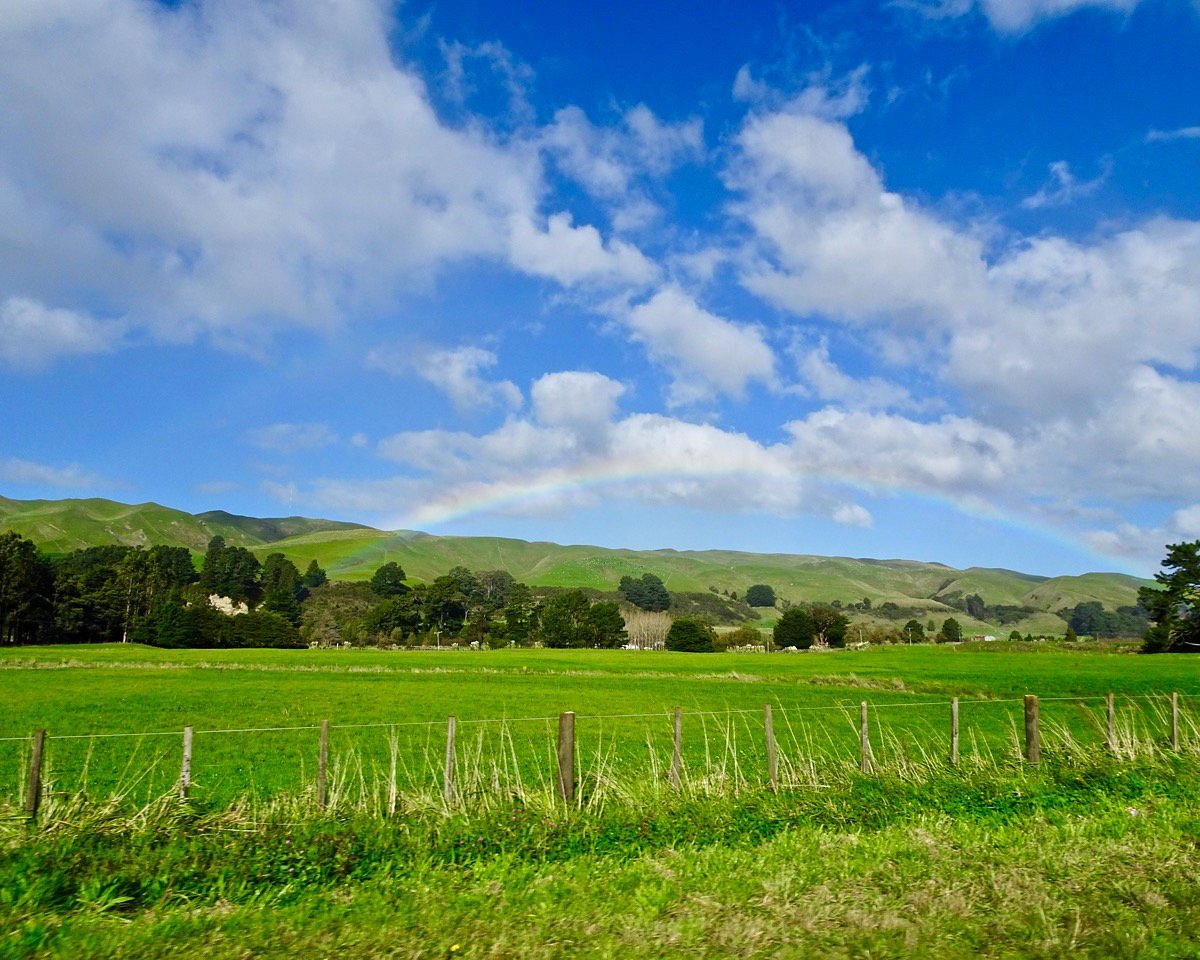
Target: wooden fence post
<point>323,767</point>
<point>566,756</point>
<point>33,797</point>
<point>677,750</point>
<point>1174,721</point>
<point>1033,734</point>
<point>448,779</point>
<point>1110,710</point>
<point>954,732</point>
<point>185,772</point>
<point>864,745</point>
<point>772,754</point>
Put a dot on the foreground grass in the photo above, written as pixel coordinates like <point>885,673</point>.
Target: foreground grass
<point>1088,856</point>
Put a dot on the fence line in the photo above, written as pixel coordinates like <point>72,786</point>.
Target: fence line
<point>566,752</point>
<point>587,716</point>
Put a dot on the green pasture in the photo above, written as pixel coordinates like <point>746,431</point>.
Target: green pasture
<point>115,713</point>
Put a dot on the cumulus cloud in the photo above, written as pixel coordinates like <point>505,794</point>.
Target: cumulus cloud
<point>1040,329</point>
<point>576,255</point>
<point>575,442</point>
<point>236,168</point>
<point>580,400</point>
<point>823,378</point>
<point>32,334</point>
<point>706,353</point>
<point>614,163</point>
<point>457,374</point>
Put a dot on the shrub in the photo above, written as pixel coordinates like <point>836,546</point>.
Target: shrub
<point>691,636</point>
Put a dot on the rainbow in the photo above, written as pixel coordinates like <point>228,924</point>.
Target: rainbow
<point>476,499</point>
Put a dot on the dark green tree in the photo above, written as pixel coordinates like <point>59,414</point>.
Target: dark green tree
<point>314,576</point>
<point>829,625</point>
<point>689,635</point>
<point>282,588</point>
<point>388,580</point>
<point>1174,609</point>
<point>231,572</point>
<point>647,592</point>
<point>913,632</point>
<point>951,631</point>
<point>26,591</point>
<point>975,607</point>
<point>605,626</point>
<point>760,595</point>
<point>519,616</point>
<point>564,619</point>
<point>794,629</point>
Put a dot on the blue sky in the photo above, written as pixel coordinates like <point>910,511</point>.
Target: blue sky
<point>907,279</point>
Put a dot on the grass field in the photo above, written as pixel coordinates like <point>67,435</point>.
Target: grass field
<point>1086,853</point>
<point>115,713</point>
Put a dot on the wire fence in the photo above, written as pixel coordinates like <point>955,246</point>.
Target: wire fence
<point>776,745</point>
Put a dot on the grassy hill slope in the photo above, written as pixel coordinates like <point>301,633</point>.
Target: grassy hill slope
<point>59,526</point>
<point>353,552</point>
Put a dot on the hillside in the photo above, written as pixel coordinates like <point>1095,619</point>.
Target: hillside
<point>352,552</point>
<point>59,526</point>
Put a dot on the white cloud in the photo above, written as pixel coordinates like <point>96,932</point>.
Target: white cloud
<point>1064,188</point>
<point>952,456</point>
<point>1017,16</point>
<point>1013,16</point>
<point>289,438</point>
<point>840,242</point>
<point>822,94</point>
<point>1072,364</point>
<point>827,381</point>
<point>705,352</point>
<point>457,374</point>
<point>614,163</point>
<point>237,168</point>
<point>73,477</point>
<point>1165,136</point>
<point>576,399</point>
<point>574,255</point>
<point>32,335</point>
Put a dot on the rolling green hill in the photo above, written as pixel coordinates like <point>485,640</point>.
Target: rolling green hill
<point>59,526</point>
<point>353,552</point>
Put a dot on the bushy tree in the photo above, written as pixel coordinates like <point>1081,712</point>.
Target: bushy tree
<point>743,636</point>
<point>1175,608</point>
<point>314,576</point>
<point>647,592</point>
<point>689,635</point>
<point>829,625</point>
<point>760,595</point>
<point>564,619</point>
<point>951,631</point>
<point>26,591</point>
<point>913,632</point>
<point>794,629</point>
<point>388,580</point>
<point>231,572</point>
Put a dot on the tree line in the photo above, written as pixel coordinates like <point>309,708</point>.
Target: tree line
<point>160,595</point>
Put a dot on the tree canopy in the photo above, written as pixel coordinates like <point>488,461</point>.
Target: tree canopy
<point>689,635</point>
<point>1175,607</point>
<point>760,595</point>
<point>646,592</point>
<point>794,629</point>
